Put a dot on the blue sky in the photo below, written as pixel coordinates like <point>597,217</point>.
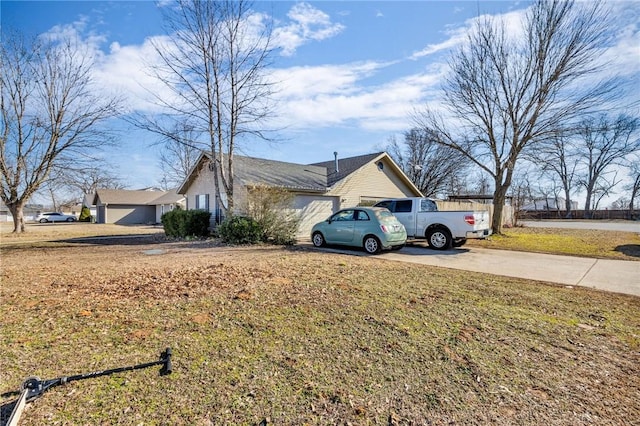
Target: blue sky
<point>351,71</point>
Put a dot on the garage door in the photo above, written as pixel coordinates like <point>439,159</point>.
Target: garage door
<point>129,215</point>
<point>313,209</point>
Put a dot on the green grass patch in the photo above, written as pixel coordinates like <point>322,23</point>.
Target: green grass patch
<point>573,242</point>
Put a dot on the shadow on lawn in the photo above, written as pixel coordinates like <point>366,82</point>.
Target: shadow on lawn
<point>118,240</point>
<point>5,411</point>
<point>632,250</point>
<point>420,250</point>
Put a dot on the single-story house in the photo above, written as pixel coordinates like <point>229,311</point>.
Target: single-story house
<point>319,189</point>
<point>127,207</point>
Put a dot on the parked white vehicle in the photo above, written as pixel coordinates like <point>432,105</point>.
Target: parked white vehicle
<point>55,217</point>
<point>441,229</point>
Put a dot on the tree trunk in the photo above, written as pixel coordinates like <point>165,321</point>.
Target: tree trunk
<point>18,217</point>
<point>567,204</point>
<point>499,197</point>
<point>634,192</point>
<point>587,204</point>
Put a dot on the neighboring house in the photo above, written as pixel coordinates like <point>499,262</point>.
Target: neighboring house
<point>127,207</point>
<point>319,189</point>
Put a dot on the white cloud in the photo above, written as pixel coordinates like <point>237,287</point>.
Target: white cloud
<point>327,96</point>
<point>125,69</point>
<point>624,55</point>
<point>307,23</point>
<point>457,35</point>
<point>75,31</point>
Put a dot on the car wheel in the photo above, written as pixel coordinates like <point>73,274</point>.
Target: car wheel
<point>70,219</point>
<point>318,240</point>
<point>439,239</point>
<point>43,221</point>
<point>371,244</point>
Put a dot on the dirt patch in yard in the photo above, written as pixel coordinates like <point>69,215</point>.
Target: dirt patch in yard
<point>300,336</point>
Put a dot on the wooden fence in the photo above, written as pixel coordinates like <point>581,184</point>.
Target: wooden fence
<point>508,217</point>
<point>605,214</point>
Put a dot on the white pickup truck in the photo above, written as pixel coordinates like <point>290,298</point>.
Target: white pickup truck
<point>441,229</point>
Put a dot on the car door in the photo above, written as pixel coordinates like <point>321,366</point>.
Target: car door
<point>403,210</point>
<point>362,225</point>
<point>340,227</point>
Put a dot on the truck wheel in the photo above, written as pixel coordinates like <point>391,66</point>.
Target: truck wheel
<point>439,239</point>
<point>371,244</point>
<point>460,243</point>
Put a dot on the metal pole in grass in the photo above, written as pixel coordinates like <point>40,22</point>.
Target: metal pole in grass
<point>33,388</point>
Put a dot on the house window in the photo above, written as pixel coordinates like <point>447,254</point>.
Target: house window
<point>202,202</point>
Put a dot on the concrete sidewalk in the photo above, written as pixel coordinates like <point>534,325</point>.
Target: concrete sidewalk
<point>620,276</point>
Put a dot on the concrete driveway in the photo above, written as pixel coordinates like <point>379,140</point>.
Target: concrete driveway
<point>620,276</point>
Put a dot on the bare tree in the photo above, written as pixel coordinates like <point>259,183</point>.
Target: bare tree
<point>634,186</point>
<point>178,156</point>
<point>607,143</point>
<point>505,93</point>
<point>521,194</point>
<point>215,65</point>
<point>559,160</point>
<point>621,203</point>
<point>50,117</point>
<point>87,180</point>
<point>432,167</point>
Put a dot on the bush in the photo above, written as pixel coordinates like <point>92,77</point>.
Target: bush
<point>240,230</point>
<point>273,209</point>
<point>85,214</point>
<point>186,223</point>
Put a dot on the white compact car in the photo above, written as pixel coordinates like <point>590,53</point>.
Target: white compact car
<point>55,217</point>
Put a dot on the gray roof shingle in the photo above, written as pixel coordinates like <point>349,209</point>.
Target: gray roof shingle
<point>131,197</point>
<point>346,166</point>
<point>250,170</point>
<point>317,177</point>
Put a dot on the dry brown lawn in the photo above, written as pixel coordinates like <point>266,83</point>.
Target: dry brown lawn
<point>300,336</point>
